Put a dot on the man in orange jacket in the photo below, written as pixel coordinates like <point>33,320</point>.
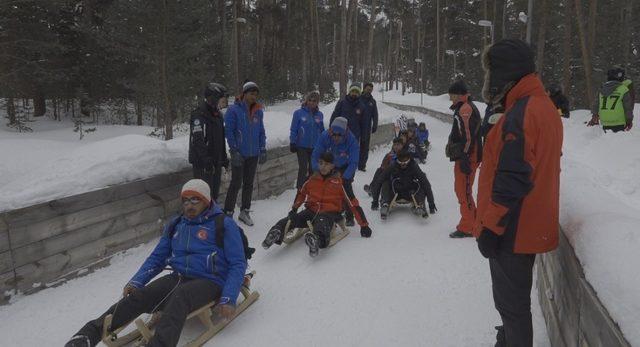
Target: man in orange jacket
<point>519,184</point>
<point>323,196</point>
<point>465,149</point>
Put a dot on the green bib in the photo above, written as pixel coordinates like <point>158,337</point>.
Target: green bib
<point>611,110</point>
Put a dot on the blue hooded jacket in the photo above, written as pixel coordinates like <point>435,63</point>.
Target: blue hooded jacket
<point>193,252</point>
<point>245,131</point>
<point>423,135</point>
<point>352,110</point>
<point>306,127</point>
<point>346,153</point>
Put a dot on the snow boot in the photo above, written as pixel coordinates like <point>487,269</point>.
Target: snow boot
<point>367,189</point>
<point>459,234</point>
<point>272,236</point>
<point>79,341</point>
<point>384,211</point>
<point>349,220</point>
<point>313,242</point>
<point>501,340</point>
<point>421,211</point>
<point>245,218</point>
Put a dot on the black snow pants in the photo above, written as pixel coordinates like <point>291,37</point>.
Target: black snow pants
<point>212,177</point>
<point>407,191</point>
<point>365,139</point>
<point>322,224</point>
<point>304,165</point>
<point>511,279</point>
<point>241,176</point>
<point>348,188</point>
<point>175,295</point>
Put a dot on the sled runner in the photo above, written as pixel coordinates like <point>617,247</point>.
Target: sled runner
<point>206,314</point>
<point>290,236</point>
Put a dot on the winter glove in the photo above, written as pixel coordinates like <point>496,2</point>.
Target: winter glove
<point>128,290</point>
<point>465,165</point>
<point>365,231</point>
<point>432,209</point>
<point>236,158</point>
<point>374,205</point>
<point>374,129</point>
<point>595,120</point>
<point>488,243</point>
<point>210,170</point>
<point>263,157</point>
<point>292,215</point>
<point>629,125</point>
<point>293,148</point>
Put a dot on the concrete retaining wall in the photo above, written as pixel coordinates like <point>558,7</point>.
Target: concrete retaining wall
<point>45,244</point>
<point>573,313</point>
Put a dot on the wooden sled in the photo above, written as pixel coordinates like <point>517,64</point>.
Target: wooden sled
<point>145,330</point>
<point>401,202</point>
<point>291,236</point>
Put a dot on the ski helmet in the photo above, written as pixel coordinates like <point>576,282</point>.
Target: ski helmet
<point>216,91</point>
<point>616,73</point>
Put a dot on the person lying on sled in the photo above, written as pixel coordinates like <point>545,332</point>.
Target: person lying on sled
<point>323,196</point>
<point>403,180</point>
<point>202,272</point>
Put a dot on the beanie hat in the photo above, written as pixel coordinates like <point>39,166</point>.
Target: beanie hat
<point>198,188</point>
<point>458,88</point>
<point>505,63</point>
<point>250,87</point>
<point>355,87</point>
<point>339,125</point>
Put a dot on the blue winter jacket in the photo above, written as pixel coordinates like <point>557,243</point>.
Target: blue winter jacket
<point>423,135</point>
<point>346,153</point>
<point>193,252</point>
<point>306,127</point>
<point>245,132</point>
<point>352,110</point>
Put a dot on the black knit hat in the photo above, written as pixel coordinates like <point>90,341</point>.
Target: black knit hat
<point>458,88</point>
<point>507,61</point>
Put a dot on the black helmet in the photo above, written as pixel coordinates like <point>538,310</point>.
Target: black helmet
<point>215,90</point>
<point>616,73</point>
<point>554,89</point>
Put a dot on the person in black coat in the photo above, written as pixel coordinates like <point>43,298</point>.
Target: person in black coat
<point>207,145</point>
<point>351,108</point>
<point>559,99</point>
<point>368,124</point>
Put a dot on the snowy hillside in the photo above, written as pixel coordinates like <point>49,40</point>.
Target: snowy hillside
<point>409,285</point>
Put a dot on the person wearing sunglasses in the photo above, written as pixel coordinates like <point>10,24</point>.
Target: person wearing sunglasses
<point>344,146</point>
<point>201,271</point>
<point>307,125</point>
<point>405,179</point>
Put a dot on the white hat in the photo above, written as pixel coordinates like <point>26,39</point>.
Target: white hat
<point>196,187</point>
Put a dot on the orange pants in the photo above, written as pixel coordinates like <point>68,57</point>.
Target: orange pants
<point>463,186</point>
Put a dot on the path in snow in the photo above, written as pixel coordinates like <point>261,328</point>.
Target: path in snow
<point>409,285</point>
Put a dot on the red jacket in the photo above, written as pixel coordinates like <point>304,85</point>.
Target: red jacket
<point>519,184</point>
<point>326,194</point>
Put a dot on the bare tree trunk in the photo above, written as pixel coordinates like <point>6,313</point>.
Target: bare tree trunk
<point>235,42</point>
<point>138,111</point>
<point>356,46</point>
<point>586,58</point>
<point>39,103</point>
<point>388,64</point>
<point>369,65</point>
<point>11,111</point>
<point>625,35</point>
<point>342,68</point>
<point>437,40</point>
<point>566,47</point>
<point>168,121</point>
<point>542,30</point>
<point>593,10</point>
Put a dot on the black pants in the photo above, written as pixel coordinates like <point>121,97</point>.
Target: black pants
<point>176,296</point>
<point>614,128</point>
<point>322,224</point>
<point>365,139</point>
<point>304,165</point>
<point>212,177</point>
<point>241,176</point>
<point>348,188</point>
<point>388,191</point>
<point>511,279</point>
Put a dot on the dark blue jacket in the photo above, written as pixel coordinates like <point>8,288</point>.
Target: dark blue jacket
<point>245,131</point>
<point>306,127</point>
<point>352,110</point>
<point>193,252</point>
<point>346,153</point>
<point>369,119</point>
<point>423,135</point>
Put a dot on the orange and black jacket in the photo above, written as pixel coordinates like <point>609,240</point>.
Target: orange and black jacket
<point>466,126</point>
<point>519,184</point>
<point>325,194</point>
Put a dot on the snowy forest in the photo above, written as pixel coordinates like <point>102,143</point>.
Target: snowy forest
<point>148,60</point>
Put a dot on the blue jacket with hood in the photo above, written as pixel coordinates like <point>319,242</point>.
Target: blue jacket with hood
<point>244,129</point>
<point>306,127</point>
<point>346,153</point>
<point>190,249</point>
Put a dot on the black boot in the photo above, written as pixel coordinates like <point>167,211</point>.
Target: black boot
<point>459,234</point>
<point>313,242</point>
<point>349,220</point>
<point>501,340</point>
<point>272,236</point>
<point>79,341</point>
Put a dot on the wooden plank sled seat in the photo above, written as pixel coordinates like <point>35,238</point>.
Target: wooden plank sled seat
<point>144,330</point>
<point>291,235</point>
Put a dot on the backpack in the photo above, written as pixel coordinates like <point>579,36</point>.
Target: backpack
<point>219,220</point>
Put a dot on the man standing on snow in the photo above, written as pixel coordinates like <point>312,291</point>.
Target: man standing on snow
<point>340,142</point>
<point>465,149</point>
<point>519,184</point>
<point>244,129</point>
<point>352,109</point>
<point>368,124</point>
<point>186,246</point>
<point>614,107</point>
<point>207,147</point>
<point>307,125</point>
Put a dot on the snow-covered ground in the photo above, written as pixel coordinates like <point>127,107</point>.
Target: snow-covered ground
<point>408,285</point>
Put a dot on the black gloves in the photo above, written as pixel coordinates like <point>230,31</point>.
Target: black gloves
<point>225,163</point>
<point>365,231</point>
<point>374,205</point>
<point>374,129</point>
<point>293,148</point>
<point>292,215</point>
<point>263,158</point>
<point>236,158</point>
<point>432,209</point>
<point>489,243</point>
<point>465,165</point>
